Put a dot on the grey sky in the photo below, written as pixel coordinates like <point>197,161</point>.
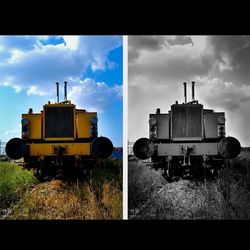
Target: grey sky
<point>158,65</point>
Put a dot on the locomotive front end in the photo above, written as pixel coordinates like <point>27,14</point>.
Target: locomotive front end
<point>188,140</point>
<point>60,137</point>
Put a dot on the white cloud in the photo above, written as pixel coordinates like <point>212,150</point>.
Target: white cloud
<point>200,43</point>
<point>226,63</point>
<point>34,90</point>
<point>94,96</point>
<point>219,93</point>
<point>72,42</point>
<point>11,132</point>
<point>17,88</point>
<point>28,64</point>
<point>16,55</point>
<point>41,37</point>
<point>98,65</point>
<point>176,63</point>
<point>118,89</point>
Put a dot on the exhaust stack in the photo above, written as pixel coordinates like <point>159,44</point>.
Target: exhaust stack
<point>57,91</point>
<point>193,91</point>
<point>65,91</point>
<point>185,91</point>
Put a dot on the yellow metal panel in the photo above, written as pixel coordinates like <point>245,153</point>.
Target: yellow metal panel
<point>41,149</point>
<point>47,149</point>
<point>78,148</point>
<point>84,124</point>
<point>35,125</point>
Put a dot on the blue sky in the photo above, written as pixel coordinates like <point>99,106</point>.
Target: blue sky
<point>30,66</point>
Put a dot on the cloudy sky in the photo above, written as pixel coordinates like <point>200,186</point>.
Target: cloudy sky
<point>220,66</point>
<point>30,66</point>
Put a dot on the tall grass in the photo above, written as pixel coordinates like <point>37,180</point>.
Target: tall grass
<point>227,197</point>
<point>105,189</point>
<point>143,182</point>
<point>100,197</point>
<point>13,183</point>
<point>234,184</point>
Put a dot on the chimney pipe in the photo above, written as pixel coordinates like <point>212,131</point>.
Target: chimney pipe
<point>65,91</point>
<point>185,91</point>
<point>57,91</point>
<point>193,91</point>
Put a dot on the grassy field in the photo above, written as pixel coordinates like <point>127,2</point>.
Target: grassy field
<point>228,197</point>
<point>100,197</point>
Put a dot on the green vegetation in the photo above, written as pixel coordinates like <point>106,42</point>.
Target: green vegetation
<point>14,181</point>
<point>100,197</point>
<point>108,170</point>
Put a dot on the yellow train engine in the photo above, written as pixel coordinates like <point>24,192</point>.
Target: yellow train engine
<point>188,141</point>
<point>60,138</point>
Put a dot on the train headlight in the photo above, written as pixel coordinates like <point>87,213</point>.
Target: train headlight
<point>152,121</point>
<point>94,120</point>
<point>24,121</point>
<point>221,131</point>
<point>221,119</point>
<point>153,132</point>
<point>152,129</point>
<point>93,131</point>
<point>25,128</point>
<point>93,127</point>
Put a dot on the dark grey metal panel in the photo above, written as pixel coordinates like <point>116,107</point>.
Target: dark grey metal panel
<point>186,121</point>
<point>59,122</point>
<point>179,121</point>
<point>194,123</point>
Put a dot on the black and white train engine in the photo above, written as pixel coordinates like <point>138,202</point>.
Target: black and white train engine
<point>188,140</point>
